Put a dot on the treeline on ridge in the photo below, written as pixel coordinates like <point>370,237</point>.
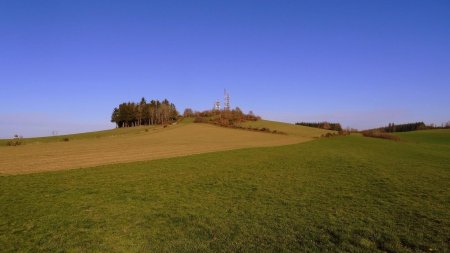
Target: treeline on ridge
<point>136,114</point>
<point>322,125</point>
<point>392,128</point>
<point>385,132</point>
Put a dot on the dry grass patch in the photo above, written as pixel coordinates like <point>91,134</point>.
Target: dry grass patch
<point>180,140</point>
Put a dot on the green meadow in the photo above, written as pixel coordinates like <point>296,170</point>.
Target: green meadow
<point>341,194</point>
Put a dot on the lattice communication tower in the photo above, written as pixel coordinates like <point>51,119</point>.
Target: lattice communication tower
<point>226,102</point>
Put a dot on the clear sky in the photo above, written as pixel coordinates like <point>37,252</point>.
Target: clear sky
<point>64,65</point>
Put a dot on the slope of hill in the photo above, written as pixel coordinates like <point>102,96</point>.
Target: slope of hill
<point>435,136</point>
<point>343,194</point>
<point>290,129</point>
<point>83,136</point>
<point>134,144</point>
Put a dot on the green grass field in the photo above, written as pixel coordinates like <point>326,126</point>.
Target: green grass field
<point>290,129</point>
<point>342,194</point>
<point>434,137</point>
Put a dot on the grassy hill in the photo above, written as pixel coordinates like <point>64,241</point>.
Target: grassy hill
<point>290,129</point>
<point>436,136</point>
<point>82,136</point>
<point>137,144</point>
<point>343,194</point>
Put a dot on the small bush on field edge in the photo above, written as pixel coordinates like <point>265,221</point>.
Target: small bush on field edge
<point>381,135</point>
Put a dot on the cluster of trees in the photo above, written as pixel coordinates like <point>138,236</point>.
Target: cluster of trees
<point>135,114</point>
<point>323,125</point>
<point>391,128</point>
<point>221,117</point>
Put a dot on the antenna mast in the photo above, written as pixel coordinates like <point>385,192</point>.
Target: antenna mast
<point>217,105</point>
<point>226,103</point>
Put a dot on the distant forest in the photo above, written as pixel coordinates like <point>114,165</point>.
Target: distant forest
<point>391,127</point>
<point>136,114</point>
<point>404,127</point>
<point>323,125</point>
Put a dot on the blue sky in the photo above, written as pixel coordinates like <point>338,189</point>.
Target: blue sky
<point>64,65</point>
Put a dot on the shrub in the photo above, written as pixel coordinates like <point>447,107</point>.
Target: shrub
<point>339,133</point>
<point>324,125</point>
<point>14,142</point>
<point>328,135</point>
<point>344,132</point>
<point>200,120</point>
<point>66,139</point>
<point>382,135</point>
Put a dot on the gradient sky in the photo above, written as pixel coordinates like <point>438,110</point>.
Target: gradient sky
<point>64,65</point>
